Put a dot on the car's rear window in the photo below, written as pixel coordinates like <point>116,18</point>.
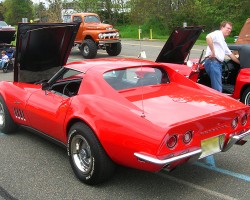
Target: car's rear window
<point>135,77</point>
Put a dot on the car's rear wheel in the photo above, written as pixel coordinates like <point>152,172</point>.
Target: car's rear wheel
<point>245,98</point>
<point>88,49</point>
<point>114,49</point>
<point>7,125</point>
<point>88,159</point>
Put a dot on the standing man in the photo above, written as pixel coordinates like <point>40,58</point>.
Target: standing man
<point>216,51</point>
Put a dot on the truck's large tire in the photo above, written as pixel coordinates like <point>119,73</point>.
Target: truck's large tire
<point>114,49</point>
<point>88,49</point>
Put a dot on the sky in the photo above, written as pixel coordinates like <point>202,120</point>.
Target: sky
<point>37,1</point>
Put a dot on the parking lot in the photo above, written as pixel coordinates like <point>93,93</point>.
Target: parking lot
<point>34,168</point>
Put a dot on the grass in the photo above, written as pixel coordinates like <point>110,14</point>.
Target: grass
<point>132,32</point>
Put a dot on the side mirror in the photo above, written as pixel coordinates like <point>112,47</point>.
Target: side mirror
<point>45,86</point>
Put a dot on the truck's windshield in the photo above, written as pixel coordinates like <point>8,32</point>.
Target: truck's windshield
<point>90,19</point>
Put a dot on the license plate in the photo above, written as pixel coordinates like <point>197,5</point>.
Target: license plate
<point>212,145</point>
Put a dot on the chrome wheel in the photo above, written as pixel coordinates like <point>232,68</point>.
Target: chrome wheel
<point>2,115</point>
<point>86,49</point>
<point>81,154</point>
<point>87,157</point>
<point>245,98</point>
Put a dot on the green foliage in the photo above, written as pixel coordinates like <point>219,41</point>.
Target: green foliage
<point>15,10</point>
<point>156,15</point>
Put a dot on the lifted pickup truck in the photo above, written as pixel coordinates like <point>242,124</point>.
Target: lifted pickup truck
<point>93,35</point>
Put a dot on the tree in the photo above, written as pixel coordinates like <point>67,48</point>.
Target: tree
<point>54,12</point>
<point>15,10</point>
<point>40,13</point>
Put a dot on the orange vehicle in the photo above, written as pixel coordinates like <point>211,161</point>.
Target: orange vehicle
<point>244,36</point>
<point>93,35</point>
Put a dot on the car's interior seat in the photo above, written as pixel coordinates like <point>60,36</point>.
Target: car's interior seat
<point>148,79</point>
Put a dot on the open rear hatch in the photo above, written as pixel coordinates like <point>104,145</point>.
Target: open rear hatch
<point>179,44</point>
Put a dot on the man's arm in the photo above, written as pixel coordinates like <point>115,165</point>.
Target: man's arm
<point>234,58</point>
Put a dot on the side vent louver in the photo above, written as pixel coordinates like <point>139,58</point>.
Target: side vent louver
<point>19,114</point>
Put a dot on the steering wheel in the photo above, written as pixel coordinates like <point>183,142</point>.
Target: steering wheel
<point>225,72</point>
<point>69,89</point>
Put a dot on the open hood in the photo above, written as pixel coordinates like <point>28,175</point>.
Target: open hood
<point>179,44</point>
<point>244,36</point>
<point>40,47</point>
<point>7,33</point>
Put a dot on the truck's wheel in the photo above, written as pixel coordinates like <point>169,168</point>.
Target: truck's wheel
<point>88,49</point>
<point>114,49</point>
<point>88,159</point>
<point>245,98</point>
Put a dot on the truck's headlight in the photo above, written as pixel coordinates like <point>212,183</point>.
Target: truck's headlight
<point>100,36</point>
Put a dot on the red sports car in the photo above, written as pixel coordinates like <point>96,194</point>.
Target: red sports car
<point>235,77</point>
<point>108,112</point>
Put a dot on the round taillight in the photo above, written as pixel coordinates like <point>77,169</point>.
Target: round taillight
<point>244,120</point>
<point>172,141</point>
<point>234,123</point>
<point>187,137</point>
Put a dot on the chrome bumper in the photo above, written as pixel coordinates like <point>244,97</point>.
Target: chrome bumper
<point>236,139</point>
<point>102,42</point>
<point>142,157</point>
<point>194,155</point>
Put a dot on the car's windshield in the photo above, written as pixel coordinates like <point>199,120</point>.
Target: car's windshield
<point>2,23</point>
<point>92,18</point>
<point>135,77</point>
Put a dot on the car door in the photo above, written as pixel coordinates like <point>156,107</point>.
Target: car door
<point>46,111</point>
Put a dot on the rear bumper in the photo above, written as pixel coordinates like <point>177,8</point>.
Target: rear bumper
<point>194,155</point>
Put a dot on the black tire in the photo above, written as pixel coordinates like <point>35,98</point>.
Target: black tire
<point>7,125</point>
<point>114,49</point>
<point>245,98</point>
<point>88,159</point>
<point>88,49</point>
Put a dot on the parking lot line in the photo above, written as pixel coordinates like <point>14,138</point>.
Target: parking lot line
<point>197,187</point>
<point>224,171</point>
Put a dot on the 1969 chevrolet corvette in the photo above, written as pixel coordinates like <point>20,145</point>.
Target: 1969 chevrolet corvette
<point>108,112</point>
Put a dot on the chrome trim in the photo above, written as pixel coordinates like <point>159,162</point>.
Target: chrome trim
<point>168,160</point>
<point>194,155</point>
<point>101,41</point>
<point>234,139</point>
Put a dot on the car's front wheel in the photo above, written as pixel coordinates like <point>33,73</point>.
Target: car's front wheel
<point>7,125</point>
<point>88,159</point>
<point>245,98</point>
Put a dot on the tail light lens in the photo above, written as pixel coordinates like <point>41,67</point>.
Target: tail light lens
<point>172,141</point>
<point>187,137</point>
<point>234,123</point>
<point>244,120</point>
